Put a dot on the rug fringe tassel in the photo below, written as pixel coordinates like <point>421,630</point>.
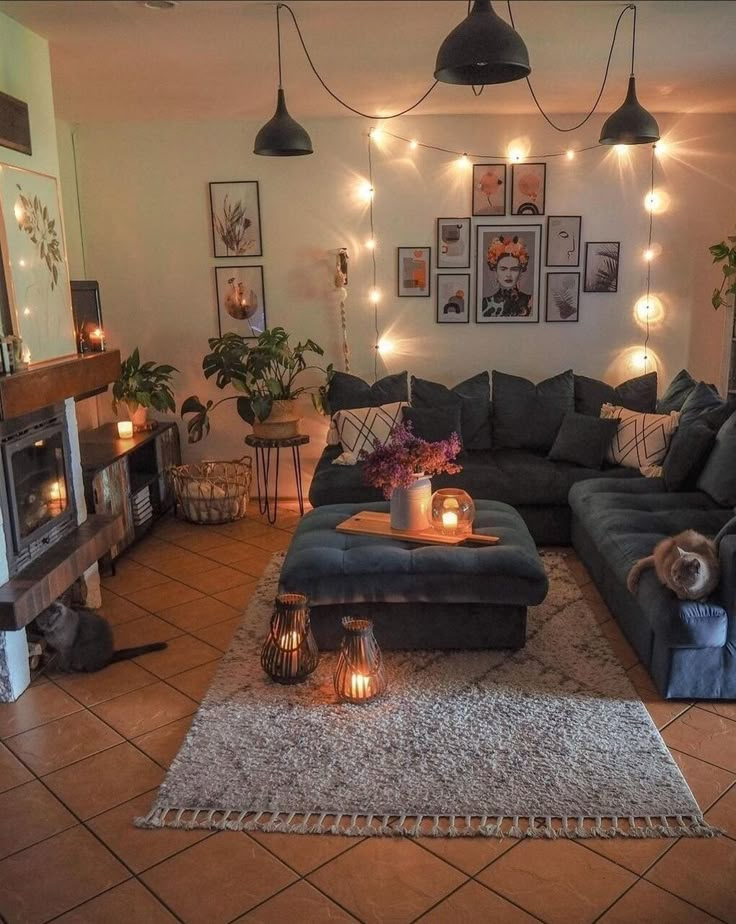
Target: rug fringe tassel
<point>369,824</point>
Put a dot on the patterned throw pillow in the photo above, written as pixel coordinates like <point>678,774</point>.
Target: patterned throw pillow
<point>642,440</point>
<point>360,428</point>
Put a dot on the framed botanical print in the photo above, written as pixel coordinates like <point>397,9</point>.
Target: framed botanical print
<point>507,273</point>
<point>601,266</point>
<point>563,297</point>
<point>528,189</point>
<point>241,305</point>
<point>413,272</point>
<point>489,189</point>
<point>235,213</point>
<point>453,243</point>
<point>453,296</point>
<point>563,240</point>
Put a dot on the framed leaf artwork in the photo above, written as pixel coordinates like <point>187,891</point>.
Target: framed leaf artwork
<point>563,297</point>
<point>601,266</point>
<point>235,212</point>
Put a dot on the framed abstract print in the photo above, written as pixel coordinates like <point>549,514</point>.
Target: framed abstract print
<point>241,305</point>
<point>528,189</point>
<point>413,272</point>
<point>601,266</point>
<point>453,243</point>
<point>563,297</point>
<point>563,240</point>
<point>235,214</point>
<point>508,268</point>
<point>453,296</point>
<point>489,189</point>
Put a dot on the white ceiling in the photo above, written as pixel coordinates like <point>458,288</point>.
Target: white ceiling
<point>216,59</point>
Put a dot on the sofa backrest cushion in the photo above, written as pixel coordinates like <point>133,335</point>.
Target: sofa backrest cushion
<point>641,440</point>
<point>676,393</point>
<point>434,424</point>
<point>690,448</point>
<point>639,394</point>
<point>528,416</point>
<point>350,391</point>
<point>583,439</point>
<point>699,403</point>
<point>472,397</point>
<point>718,478</point>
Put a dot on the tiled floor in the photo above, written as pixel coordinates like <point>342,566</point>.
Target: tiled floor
<point>80,756</point>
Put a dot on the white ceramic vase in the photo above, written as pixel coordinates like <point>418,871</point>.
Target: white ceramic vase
<point>410,506</point>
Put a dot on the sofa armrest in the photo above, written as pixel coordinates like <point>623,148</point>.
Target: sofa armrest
<point>727,590</point>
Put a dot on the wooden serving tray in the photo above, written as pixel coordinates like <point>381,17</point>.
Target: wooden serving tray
<point>372,523</point>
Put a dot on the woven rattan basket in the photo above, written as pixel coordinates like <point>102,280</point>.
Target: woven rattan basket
<point>212,492</point>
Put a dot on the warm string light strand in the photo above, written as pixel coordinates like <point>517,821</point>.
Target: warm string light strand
<point>649,256</point>
<point>374,290</point>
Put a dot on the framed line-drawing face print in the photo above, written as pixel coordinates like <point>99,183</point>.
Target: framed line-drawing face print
<point>528,189</point>
<point>563,297</point>
<point>413,272</point>
<point>563,240</point>
<point>508,263</point>
<point>453,295</point>
<point>489,189</point>
<point>241,306</point>
<point>235,213</point>
<point>601,266</point>
<point>453,243</point>
<point>35,264</point>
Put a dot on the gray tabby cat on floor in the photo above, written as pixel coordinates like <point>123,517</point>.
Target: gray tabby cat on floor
<point>686,563</point>
<point>83,640</point>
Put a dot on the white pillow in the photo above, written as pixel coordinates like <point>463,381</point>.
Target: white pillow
<point>642,440</point>
<point>360,428</point>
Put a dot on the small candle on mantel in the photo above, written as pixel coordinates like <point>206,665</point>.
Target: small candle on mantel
<point>125,429</point>
<point>360,685</point>
<point>97,338</point>
<point>449,520</point>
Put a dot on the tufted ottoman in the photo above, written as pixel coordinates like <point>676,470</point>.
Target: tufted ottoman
<point>418,596</point>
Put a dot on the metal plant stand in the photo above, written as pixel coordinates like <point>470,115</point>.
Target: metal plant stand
<point>264,448</point>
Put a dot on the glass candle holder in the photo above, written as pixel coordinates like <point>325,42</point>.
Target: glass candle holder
<point>125,429</point>
<point>452,512</point>
<point>290,653</point>
<point>359,675</point>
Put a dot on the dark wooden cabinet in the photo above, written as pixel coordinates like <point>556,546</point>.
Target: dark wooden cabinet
<point>129,477</point>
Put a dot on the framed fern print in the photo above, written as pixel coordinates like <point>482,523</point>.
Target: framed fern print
<point>563,297</point>
<point>601,266</point>
<point>235,214</point>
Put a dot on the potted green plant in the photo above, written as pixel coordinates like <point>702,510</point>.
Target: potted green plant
<point>263,373</point>
<point>726,255</point>
<point>141,386</point>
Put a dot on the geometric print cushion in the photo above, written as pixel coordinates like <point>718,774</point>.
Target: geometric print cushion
<point>642,440</point>
<point>360,428</point>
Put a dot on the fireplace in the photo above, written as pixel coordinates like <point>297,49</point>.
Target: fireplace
<point>37,490</point>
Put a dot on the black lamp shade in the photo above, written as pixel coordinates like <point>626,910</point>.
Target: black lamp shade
<point>483,49</point>
<point>282,136</point>
<point>630,123</point>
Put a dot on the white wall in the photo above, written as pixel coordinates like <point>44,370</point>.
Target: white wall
<point>144,201</point>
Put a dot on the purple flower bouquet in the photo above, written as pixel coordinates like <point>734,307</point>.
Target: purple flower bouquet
<point>405,456</point>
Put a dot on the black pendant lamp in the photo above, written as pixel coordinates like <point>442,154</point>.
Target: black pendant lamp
<point>282,136</point>
<point>630,123</point>
<point>483,49</point>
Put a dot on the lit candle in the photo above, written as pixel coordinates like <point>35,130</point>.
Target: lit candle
<point>97,336</point>
<point>449,520</point>
<point>290,641</point>
<point>360,685</point>
<point>125,429</point>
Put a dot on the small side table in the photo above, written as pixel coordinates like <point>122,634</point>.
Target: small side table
<point>263,448</point>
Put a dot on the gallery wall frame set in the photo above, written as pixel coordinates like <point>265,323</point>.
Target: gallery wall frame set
<point>453,298</point>
<point>602,260</point>
<point>413,272</point>
<point>563,240</point>
<point>241,305</point>
<point>489,190</point>
<point>235,217</point>
<point>528,189</point>
<point>562,302</point>
<point>508,272</point>
<point>453,243</point>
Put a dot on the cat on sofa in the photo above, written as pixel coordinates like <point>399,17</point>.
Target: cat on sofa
<point>686,563</point>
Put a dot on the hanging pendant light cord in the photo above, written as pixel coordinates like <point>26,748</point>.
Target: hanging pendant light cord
<point>573,128</point>
<point>278,39</point>
<point>365,115</point>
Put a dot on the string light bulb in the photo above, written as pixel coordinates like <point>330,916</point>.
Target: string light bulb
<point>366,191</point>
<point>413,144</point>
<point>660,148</point>
<point>384,346</point>
<point>516,155</point>
<point>376,134</point>
<point>570,154</point>
<point>464,161</point>
<point>653,201</point>
<point>375,296</point>
<point>370,243</point>
<point>649,255</point>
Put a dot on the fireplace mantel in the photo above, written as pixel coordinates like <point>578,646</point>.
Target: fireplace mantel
<point>48,383</point>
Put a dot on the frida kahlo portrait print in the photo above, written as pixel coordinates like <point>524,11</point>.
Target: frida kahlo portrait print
<point>507,273</point>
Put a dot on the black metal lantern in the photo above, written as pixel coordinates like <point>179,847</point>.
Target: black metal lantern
<point>359,675</point>
<point>290,653</point>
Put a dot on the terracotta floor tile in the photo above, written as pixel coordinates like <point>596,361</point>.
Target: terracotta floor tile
<point>246,529</point>
<point>117,609</point>
<point>215,581</point>
<point>62,742</point>
<point>256,561</point>
<point>304,852</point>
<point>300,903</point>
<point>708,783</point>
<point>238,597</point>
<point>219,635</point>
<point>141,848</point>
<point>164,595</point>
<point>701,870</point>
<point>179,564</point>
<point>218,879</point>
<point>204,538</point>
<point>143,632</point>
<point>635,854</point>
<point>98,783</point>
<point>231,551</point>
<point>111,681</point>
<point>473,904</point>
<point>36,706</point>
<point>129,903</point>
<point>197,614</point>
<point>663,711</point>
<point>558,881</point>
<point>274,541</point>
<point>30,814</point>
<point>12,771</point>
<point>196,682</point>
<point>182,654</point>
<point>387,881</point>
<point>646,904</point>
<point>162,744</point>
<point>170,526</point>
<point>706,735</point>
<point>143,710</point>
<point>148,549</point>
<point>55,876</point>
<point>727,710</point>
<point>623,651</point>
<point>130,577</point>
<point>723,813</point>
<point>469,854</point>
